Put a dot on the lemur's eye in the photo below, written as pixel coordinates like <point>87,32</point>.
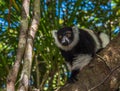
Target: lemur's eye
<point>68,35</point>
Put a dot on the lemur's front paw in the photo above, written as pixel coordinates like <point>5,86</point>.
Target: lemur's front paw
<point>73,77</point>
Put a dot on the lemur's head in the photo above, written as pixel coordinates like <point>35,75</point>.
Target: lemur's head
<point>66,38</point>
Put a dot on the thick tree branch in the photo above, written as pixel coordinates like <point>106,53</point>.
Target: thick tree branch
<point>11,79</point>
<point>25,75</point>
<point>102,74</point>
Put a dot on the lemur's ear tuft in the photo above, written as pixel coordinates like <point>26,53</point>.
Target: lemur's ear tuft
<point>75,29</point>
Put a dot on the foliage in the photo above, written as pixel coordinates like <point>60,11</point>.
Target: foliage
<point>48,69</point>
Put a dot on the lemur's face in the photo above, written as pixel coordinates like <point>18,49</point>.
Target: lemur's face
<point>65,36</point>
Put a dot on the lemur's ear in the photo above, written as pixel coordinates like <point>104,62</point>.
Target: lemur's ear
<point>54,33</point>
<point>75,29</point>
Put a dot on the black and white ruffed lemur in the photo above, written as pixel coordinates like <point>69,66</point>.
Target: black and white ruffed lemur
<point>78,46</point>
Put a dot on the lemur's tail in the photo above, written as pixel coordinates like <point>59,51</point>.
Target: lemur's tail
<point>105,39</point>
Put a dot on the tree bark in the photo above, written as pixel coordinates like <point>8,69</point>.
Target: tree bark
<point>102,74</point>
<point>26,71</point>
<point>11,79</point>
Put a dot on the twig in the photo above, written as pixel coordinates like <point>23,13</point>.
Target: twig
<point>103,60</point>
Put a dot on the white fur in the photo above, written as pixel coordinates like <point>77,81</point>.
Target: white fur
<point>98,46</point>
<point>105,39</point>
<point>79,62</point>
<point>54,34</point>
<point>68,66</point>
<point>75,40</point>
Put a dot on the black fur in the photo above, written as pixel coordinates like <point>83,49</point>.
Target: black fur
<point>86,45</point>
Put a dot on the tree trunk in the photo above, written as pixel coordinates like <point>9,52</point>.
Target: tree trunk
<point>11,79</point>
<point>26,71</point>
<point>102,74</point>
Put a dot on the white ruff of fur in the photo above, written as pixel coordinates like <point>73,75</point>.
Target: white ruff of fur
<point>95,38</point>
<point>70,46</point>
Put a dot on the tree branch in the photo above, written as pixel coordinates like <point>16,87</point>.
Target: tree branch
<point>11,79</point>
<point>25,75</point>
